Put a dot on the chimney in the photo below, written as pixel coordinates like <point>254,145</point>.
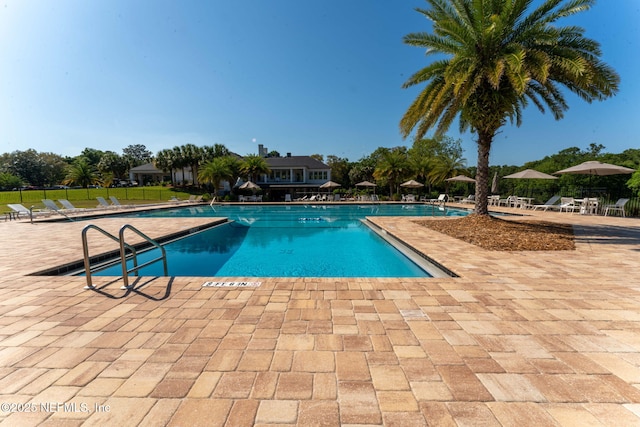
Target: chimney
<point>288,154</point>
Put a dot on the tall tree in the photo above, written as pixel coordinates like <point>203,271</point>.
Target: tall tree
<point>137,154</point>
<point>217,170</point>
<point>392,168</point>
<point>497,59</point>
<point>164,162</point>
<point>81,173</point>
<point>253,165</point>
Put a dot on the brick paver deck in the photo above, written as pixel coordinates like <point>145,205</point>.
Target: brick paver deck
<point>524,338</point>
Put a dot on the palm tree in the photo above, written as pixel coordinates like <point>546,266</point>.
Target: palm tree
<point>81,173</point>
<point>393,167</point>
<point>164,162</point>
<point>192,157</point>
<point>497,60</point>
<point>253,165</point>
<point>446,165</point>
<point>217,170</point>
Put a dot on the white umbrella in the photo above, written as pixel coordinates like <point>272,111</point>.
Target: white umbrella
<point>249,186</point>
<point>596,168</point>
<point>412,183</point>
<point>530,174</point>
<point>366,184</point>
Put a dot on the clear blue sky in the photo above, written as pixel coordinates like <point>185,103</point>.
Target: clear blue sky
<point>297,76</point>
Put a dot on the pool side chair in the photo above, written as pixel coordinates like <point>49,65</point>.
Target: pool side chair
<point>287,197</point>
<point>69,207</point>
<point>441,200</point>
<point>51,205</point>
<point>550,204</point>
<point>115,202</point>
<point>568,204</point>
<point>471,198</point>
<point>22,210</point>
<point>103,204</point>
<point>617,207</point>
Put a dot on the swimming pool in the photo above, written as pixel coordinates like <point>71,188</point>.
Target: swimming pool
<point>288,241</point>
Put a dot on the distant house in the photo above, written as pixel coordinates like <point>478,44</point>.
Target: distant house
<point>148,173</point>
<point>293,175</point>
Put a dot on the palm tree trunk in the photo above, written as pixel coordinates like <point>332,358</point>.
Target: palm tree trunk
<point>482,173</point>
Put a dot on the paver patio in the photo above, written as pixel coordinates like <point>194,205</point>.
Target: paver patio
<point>519,338</point>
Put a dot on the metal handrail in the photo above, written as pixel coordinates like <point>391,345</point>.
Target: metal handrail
<point>123,254</point>
<point>136,267</point>
<point>85,250</point>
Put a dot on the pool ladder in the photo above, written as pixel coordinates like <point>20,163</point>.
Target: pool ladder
<point>124,246</point>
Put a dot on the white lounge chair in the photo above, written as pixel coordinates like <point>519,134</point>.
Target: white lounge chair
<point>51,205</point>
<point>19,209</point>
<point>617,207</point>
<point>115,202</point>
<point>287,197</point>
<point>68,206</point>
<point>471,198</point>
<point>442,199</point>
<point>550,204</point>
<point>102,203</point>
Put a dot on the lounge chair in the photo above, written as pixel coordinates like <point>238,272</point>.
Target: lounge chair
<point>68,206</point>
<point>51,205</point>
<point>617,207</point>
<point>287,197</point>
<point>21,210</point>
<point>471,198</point>
<point>441,200</point>
<point>300,199</point>
<point>102,203</point>
<point>550,204</point>
<point>409,198</point>
<point>115,202</point>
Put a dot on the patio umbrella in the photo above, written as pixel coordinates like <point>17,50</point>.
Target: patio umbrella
<point>412,183</point>
<point>367,184</point>
<point>330,185</point>
<point>530,174</point>
<point>596,168</point>
<point>249,186</point>
<point>494,183</point>
<point>460,178</point>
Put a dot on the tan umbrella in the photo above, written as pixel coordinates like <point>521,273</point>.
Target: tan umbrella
<point>412,183</point>
<point>596,168</point>
<point>366,184</point>
<point>494,183</point>
<point>330,184</point>
<point>249,186</point>
<point>530,174</point>
<point>460,178</point>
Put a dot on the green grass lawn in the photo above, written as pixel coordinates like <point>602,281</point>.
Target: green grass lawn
<point>86,197</point>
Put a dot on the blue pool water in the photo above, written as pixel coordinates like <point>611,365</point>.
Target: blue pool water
<point>287,241</point>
